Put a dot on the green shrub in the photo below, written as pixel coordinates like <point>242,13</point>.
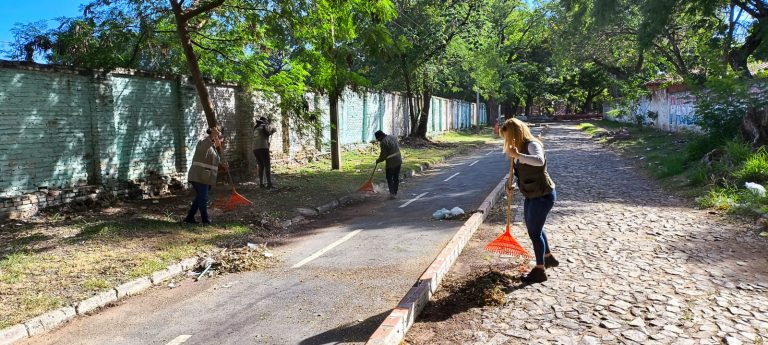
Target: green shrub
<point>737,151</point>
<point>724,199</point>
<point>698,146</point>
<point>670,166</point>
<point>755,168</point>
<point>698,175</point>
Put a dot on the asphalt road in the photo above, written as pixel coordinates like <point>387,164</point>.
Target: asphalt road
<point>338,279</point>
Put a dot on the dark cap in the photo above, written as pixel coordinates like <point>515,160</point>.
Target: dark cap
<point>379,135</point>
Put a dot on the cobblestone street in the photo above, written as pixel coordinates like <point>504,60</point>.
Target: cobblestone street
<point>637,264</point>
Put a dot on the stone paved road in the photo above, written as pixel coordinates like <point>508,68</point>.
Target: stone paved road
<point>637,265</point>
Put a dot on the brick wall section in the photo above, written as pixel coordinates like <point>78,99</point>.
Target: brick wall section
<point>75,135</point>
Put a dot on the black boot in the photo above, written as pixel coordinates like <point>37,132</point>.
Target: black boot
<point>536,275</point>
<point>550,261</point>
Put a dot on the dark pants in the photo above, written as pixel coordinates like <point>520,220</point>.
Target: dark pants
<point>535,212</point>
<point>200,202</point>
<point>393,179</point>
<point>263,166</point>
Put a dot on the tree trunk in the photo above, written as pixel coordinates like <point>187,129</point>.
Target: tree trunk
<point>754,127</point>
<point>333,100</point>
<point>409,93</point>
<point>194,67</point>
<point>528,104</point>
<point>421,131</point>
<point>588,103</point>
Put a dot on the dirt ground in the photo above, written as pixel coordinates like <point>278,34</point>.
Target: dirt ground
<point>478,280</point>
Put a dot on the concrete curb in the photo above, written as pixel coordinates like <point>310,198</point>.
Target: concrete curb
<point>392,330</point>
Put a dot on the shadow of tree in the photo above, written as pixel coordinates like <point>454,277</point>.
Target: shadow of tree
<point>357,332</point>
<point>114,230</point>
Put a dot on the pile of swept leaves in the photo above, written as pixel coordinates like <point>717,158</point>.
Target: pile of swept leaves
<point>250,257</point>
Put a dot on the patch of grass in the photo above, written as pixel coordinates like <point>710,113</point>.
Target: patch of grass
<point>95,284</point>
<point>589,128</point>
<point>14,266</point>
<point>723,199</point>
<point>146,266</point>
<point>755,168</point>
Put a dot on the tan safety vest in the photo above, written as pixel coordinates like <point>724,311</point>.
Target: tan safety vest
<point>205,163</point>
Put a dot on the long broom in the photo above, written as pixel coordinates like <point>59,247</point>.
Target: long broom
<point>506,243</point>
<point>368,185</point>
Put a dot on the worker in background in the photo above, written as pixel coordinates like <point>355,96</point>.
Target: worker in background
<point>261,134</point>
<point>390,152</point>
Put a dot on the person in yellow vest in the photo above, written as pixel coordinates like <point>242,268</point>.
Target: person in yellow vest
<point>202,174</point>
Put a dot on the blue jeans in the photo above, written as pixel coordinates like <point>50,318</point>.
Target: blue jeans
<point>535,213</point>
<point>200,202</point>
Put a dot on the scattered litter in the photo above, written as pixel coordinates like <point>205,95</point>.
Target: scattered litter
<point>172,285</point>
<point>755,188</point>
<point>155,201</point>
<point>764,234</point>
<point>442,213</point>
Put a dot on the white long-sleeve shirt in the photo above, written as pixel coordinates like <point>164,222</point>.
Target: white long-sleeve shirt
<point>535,156</point>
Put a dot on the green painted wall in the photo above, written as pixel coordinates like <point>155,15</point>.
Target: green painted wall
<point>67,127</point>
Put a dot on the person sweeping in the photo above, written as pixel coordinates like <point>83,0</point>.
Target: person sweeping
<point>390,152</point>
<point>537,187</point>
<point>203,173</point>
<point>261,133</point>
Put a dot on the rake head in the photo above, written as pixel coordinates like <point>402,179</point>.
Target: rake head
<point>506,244</point>
<point>235,201</point>
<point>367,187</point>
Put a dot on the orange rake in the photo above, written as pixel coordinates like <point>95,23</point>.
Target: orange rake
<point>506,243</point>
<point>368,185</point>
<point>236,200</point>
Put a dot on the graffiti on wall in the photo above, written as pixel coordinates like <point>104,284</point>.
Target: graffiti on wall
<point>682,110</point>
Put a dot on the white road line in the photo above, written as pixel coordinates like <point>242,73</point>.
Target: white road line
<point>329,247</point>
<point>473,163</point>
<point>490,153</point>
<point>452,176</point>
<point>414,199</point>
<point>179,340</point>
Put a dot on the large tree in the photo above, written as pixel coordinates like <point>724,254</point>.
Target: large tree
<point>340,34</point>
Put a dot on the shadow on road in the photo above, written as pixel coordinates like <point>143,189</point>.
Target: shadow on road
<point>353,332</point>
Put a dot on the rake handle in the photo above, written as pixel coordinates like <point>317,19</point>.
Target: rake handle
<point>374,171</point>
<point>509,192</point>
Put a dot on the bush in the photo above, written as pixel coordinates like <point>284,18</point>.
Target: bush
<point>723,199</point>
<point>698,175</point>
<point>755,168</point>
<point>737,150</point>
<point>699,146</point>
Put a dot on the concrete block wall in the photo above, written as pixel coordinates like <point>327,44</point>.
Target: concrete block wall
<point>74,134</point>
<point>46,130</point>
